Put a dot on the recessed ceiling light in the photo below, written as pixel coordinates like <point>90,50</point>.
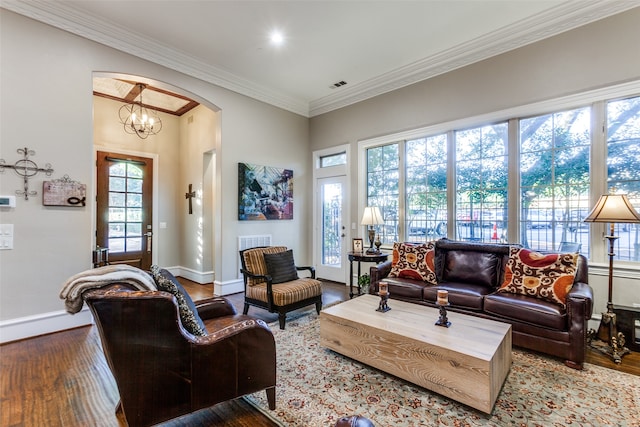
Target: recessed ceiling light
<point>276,38</point>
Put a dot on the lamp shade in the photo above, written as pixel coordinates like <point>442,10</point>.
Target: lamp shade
<point>613,208</point>
<point>371,216</point>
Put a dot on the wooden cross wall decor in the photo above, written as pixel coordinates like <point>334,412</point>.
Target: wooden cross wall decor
<point>190,195</point>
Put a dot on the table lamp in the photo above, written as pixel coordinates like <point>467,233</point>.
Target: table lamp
<point>612,208</point>
<point>371,217</point>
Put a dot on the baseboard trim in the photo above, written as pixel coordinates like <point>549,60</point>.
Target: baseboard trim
<point>41,324</point>
<point>201,277</point>
<point>228,288</point>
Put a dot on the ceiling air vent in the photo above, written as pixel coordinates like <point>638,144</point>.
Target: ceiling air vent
<point>338,84</point>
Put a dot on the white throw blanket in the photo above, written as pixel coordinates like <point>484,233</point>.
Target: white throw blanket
<point>94,278</point>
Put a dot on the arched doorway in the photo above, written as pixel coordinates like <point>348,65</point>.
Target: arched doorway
<point>183,152</point>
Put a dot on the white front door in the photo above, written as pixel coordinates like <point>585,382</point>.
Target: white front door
<point>332,229</point>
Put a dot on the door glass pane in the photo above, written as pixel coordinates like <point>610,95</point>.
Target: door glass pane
<point>116,245</point>
<point>331,223</point>
<point>134,185</point>
<point>116,214</point>
<point>125,208</point>
<point>134,229</point>
<point>134,200</point>
<point>134,214</point>
<point>119,169</point>
<point>116,199</point>
<point>116,229</point>
<point>133,171</point>
<point>134,244</point>
<point>116,184</point>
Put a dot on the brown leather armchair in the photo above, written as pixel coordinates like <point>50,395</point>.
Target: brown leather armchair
<point>162,371</point>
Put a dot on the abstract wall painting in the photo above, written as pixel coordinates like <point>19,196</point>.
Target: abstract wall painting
<point>264,193</point>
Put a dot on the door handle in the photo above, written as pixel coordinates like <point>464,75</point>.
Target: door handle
<point>149,234</point>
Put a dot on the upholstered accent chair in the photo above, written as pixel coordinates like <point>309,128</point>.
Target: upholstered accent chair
<point>271,282</point>
<point>162,370</point>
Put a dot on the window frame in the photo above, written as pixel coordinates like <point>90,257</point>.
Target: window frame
<point>595,99</point>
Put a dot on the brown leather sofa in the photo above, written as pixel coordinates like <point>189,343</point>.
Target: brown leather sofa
<point>163,370</point>
<point>472,273</point>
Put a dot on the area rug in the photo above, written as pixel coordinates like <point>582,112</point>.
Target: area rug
<point>316,386</point>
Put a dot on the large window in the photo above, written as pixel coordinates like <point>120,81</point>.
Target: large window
<point>383,179</point>
<point>426,188</point>
<point>528,180</point>
<point>481,183</point>
<point>623,165</point>
<point>554,180</point>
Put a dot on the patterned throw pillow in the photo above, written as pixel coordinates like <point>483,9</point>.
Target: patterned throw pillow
<point>165,281</point>
<point>546,276</point>
<point>414,261</point>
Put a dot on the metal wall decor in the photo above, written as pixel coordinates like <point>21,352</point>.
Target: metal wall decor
<point>26,168</point>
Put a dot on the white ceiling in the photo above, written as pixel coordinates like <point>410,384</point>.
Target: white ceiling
<point>374,46</point>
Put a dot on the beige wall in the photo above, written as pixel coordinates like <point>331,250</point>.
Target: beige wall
<point>47,105</point>
<point>602,54</point>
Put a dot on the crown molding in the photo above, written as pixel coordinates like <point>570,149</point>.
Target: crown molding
<point>563,18</point>
<point>567,16</point>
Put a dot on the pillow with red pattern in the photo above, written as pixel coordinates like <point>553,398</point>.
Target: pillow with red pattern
<point>414,261</point>
<point>546,276</point>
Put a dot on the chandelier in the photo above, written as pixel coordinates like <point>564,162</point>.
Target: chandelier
<point>139,120</point>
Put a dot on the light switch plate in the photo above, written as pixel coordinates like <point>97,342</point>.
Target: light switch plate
<point>6,236</point>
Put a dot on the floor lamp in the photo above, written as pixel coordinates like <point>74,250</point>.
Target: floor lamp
<point>372,217</point>
<point>611,208</point>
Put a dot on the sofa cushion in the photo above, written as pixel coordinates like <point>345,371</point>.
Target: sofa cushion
<point>414,261</point>
<point>406,288</point>
<point>191,321</point>
<point>464,266</point>
<point>526,309</point>
<point>281,266</point>
<point>545,276</point>
<point>464,295</point>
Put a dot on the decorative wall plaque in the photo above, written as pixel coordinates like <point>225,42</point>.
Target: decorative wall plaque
<point>64,192</point>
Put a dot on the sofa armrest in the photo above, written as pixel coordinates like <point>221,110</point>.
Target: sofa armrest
<point>580,300</point>
<point>377,273</point>
<point>214,307</point>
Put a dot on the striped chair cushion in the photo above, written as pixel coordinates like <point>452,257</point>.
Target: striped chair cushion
<point>254,261</point>
<point>288,292</point>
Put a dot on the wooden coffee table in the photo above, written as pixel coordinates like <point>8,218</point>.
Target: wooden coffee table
<point>467,362</point>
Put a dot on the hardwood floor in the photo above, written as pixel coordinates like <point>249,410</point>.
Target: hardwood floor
<point>62,379</point>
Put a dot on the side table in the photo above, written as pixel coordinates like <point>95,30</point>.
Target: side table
<point>362,257</point>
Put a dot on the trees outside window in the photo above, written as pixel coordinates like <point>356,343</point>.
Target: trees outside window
<point>554,179</point>
<point>426,188</point>
<point>623,168</point>
<point>481,183</point>
<point>540,172</point>
<point>383,179</point>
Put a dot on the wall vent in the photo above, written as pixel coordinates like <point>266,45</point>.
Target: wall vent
<point>246,242</point>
